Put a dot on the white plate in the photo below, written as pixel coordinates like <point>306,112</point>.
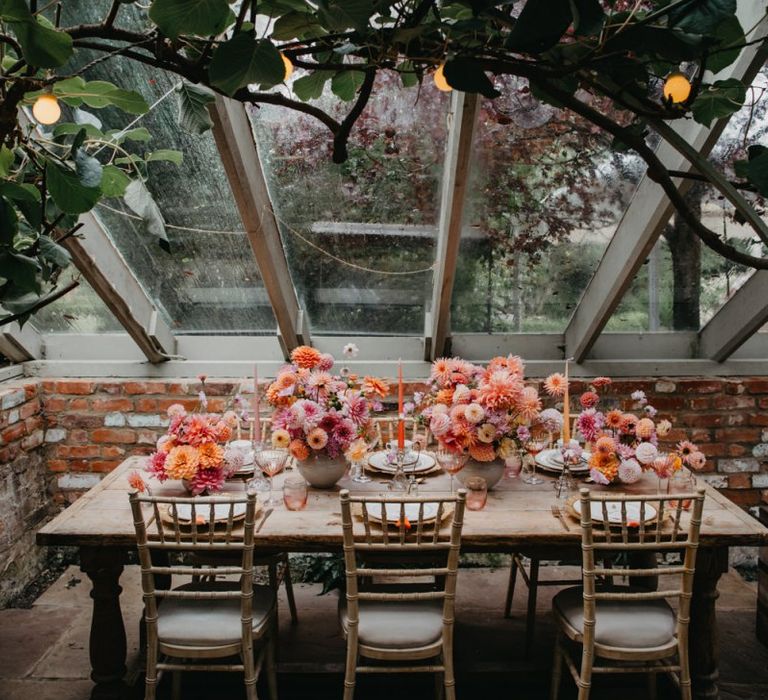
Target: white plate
<point>614,511</point>
<point>411,512</point>
<point>551,460</point>
<point>220,512</point>
<point>378,460</point>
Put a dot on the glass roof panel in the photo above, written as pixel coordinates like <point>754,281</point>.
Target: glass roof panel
<point>351,230</point>
<point>78,311</point>
<point>545,196</point>
<point>209,281</point>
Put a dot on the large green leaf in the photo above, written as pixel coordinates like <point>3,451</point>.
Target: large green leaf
<point>755,169</point>
<point>6,160</point>
<point>8,221</point>
<point>114,181</point>
<point>701,16</point>
<point>141,202</point>
<point>730,33</point>
<point>467,75</point>
<point>20,193</point>
<point>15,11</point>
<point>346,83</point>
<point>41,46</point>
<point>20,269</point>
<point>671,45</point>
<point>140,133</point>
<point>193,101</point>
<point>346,14</point>
<point>165,154</point>
<point>69,194</point>
<point>310,87</point>
<point>53,252</point>
<point>296,25</point>
<point>99,93</point>
<point>68,128</point>
<point>88,169</point>
<point>540,25</point>
<point>200,17</point>
<point>588,17</point>
<point>721,99</point>
<point>243,60</point>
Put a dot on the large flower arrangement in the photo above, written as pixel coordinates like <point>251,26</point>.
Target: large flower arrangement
<point>193,450</point>
<point>624,444</point>
<point>321,413</point>
<point>481,410</point>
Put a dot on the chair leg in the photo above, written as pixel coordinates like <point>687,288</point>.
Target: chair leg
<point>440,683</point>
<point>557,668</point>
<point>685,670</point>
<point>511,586</point>
<point>351,664</point>
<point>249,670</point>
<point>150,683</point>
<point>530,618</point>
<point>176,685</point>
<point>449,677</point>
<point>271,666</point>
<point>651,685</point>
<point>585,678</point>
<point>289,589</point>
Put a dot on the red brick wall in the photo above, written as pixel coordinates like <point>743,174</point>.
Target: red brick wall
<point>91,425</point>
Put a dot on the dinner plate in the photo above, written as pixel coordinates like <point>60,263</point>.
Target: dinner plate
<point>378,460</point>
<point>550,460</point>
<point>203,511</point>
<point>392,511</point>
<point>614,511</point>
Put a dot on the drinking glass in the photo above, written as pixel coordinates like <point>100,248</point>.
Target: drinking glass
<point>682,481</point>
<point>513,465</point>
<point>477,492</point>
<point>451,462</point>
<point>357,473</point>
<point>532,447</point>
<point>295,493</point>
<point>271,462</point>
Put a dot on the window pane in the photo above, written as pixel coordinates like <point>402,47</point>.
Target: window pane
<point>78,311</point>
<point>545,196</point>
<point>349,230</point>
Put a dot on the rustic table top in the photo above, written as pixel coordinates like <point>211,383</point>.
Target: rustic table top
<point>516,515</point>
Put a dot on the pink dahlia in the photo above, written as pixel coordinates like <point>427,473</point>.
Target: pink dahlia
<point>207,480</point>
<point>326,362</point>
<point>156,466</point>
<point>589,424</point>
<point>500,390</point>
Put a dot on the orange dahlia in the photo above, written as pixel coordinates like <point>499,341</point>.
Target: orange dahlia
<point>211,455</point>
<point>605,445</point>
<point>512,363</point>
<point>182,462</point>
<point>374,385</point>
<point>645,428</point>
<point>442,368</point>
<point>305,356</point>
<point>317,439</point>
<point>613,419</point>
<point>482,452</point>
<point>500,390</point>
<point>299,449</point>
<point>529,405</point>
<point>444,396</point>
<point>555,384</point>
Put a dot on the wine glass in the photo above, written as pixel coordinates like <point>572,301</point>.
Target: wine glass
<point>271,462</point>
<point>451,462</point>
<point>533,447</point>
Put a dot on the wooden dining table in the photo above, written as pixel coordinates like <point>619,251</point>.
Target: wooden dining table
<point>517,516</point>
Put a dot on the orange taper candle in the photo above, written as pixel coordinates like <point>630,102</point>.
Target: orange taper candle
<point>400,415</point>
<point>566,410</point>
<point>256,405</point>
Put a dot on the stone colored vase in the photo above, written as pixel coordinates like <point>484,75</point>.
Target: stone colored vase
<point>322,471</point>
<point>490,471</point>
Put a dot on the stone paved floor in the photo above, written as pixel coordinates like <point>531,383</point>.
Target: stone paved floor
<point>43,650</point>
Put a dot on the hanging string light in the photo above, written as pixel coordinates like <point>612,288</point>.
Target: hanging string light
<point>288,66</point>
<point>677,88</point>
<point>439,78</point>
<point>46,109</point>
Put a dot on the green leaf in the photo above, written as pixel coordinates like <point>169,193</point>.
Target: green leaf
<point>468,76</point>
<point>310,87</point>
<point>568,84</point>
<point>702,16</point>
<point>6,160</point>
<point>20,193</point>
<point>756,168</point>
<point>346,83</point>
<point>114,181</point>
<point>243,60</point>
<point>193,101</point>
<point>9,222</point>
<point>165,154</point>
<point>721,99</point>
<point>729,33</point>
<point>69,194</point>
<point>408,77</point>
<point>346,14</point>
<point>21,270</point>
<point>99,93</point>
<point>140,201</point>
<point>53,252</point>
<point>588,17</point>
<point>658,42</point>
<point>200,17</point>
<point>88,169</point>
<point>540,26</point>
<point>68,128</point>
<point>15,11</point>
<point>140,134</point>
<point>276,8</point>
<point>43,47</point>
<point>295,25</point>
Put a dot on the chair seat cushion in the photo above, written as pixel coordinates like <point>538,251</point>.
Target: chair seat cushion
<point>209,623</point>
<point>396,625</point>
<point>633,624</point>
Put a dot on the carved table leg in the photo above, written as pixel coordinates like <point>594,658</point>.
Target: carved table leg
<point>107,646</point>
<point>703,643</point>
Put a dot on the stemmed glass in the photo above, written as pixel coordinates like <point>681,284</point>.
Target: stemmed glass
<point>533,447</point>
<point>271,462</point>
<point>451,462</point>
<point>399,481</point>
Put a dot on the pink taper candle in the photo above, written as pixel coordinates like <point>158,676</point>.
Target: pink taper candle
<point>256,405</point>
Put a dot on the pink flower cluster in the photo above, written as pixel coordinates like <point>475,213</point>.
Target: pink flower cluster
<point>479,409</point>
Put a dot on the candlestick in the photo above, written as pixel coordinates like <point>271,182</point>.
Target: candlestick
<point>239,436</point>
<point>256,406</point>
<point>400,414</point>
<point>566,410</point>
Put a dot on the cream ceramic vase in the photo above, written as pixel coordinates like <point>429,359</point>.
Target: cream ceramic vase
<point>490,471</point>
<point>322,471</point>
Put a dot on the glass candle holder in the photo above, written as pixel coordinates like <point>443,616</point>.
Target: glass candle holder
<point>477,492</point>
<point>295,493</point>
<point>681,481</point>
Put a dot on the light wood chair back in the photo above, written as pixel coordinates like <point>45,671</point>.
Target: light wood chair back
<point>386,431</point>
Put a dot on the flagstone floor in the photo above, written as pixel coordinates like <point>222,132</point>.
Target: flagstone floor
<point>43,649</point>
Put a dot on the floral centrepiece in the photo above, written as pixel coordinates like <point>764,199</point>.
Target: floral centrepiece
<point>193,450</point>
<point>321,413</point>
<point>483,411</point>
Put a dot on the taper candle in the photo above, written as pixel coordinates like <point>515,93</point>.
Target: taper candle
<point>400,414</point>
<point>566,410</point>
<point>256,405</point>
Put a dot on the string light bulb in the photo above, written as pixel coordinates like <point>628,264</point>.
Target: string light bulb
<point>288,66</point>
<point>46,109</point>
<point>677,88</point>
<point>439,78</point>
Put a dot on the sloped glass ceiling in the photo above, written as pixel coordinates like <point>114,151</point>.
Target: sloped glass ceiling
<point>359,237</point>
<point>545,196</point>
<point>80,311</point>
<point>209,281</point>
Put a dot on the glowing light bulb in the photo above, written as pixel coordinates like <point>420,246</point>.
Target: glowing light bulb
<point>46,109</point>
<point>677,88</point>
<point>288,66</point>
<point>440,81</point>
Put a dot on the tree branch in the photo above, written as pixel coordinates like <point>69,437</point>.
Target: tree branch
<point>341,137</point>
<point>41,304</point>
